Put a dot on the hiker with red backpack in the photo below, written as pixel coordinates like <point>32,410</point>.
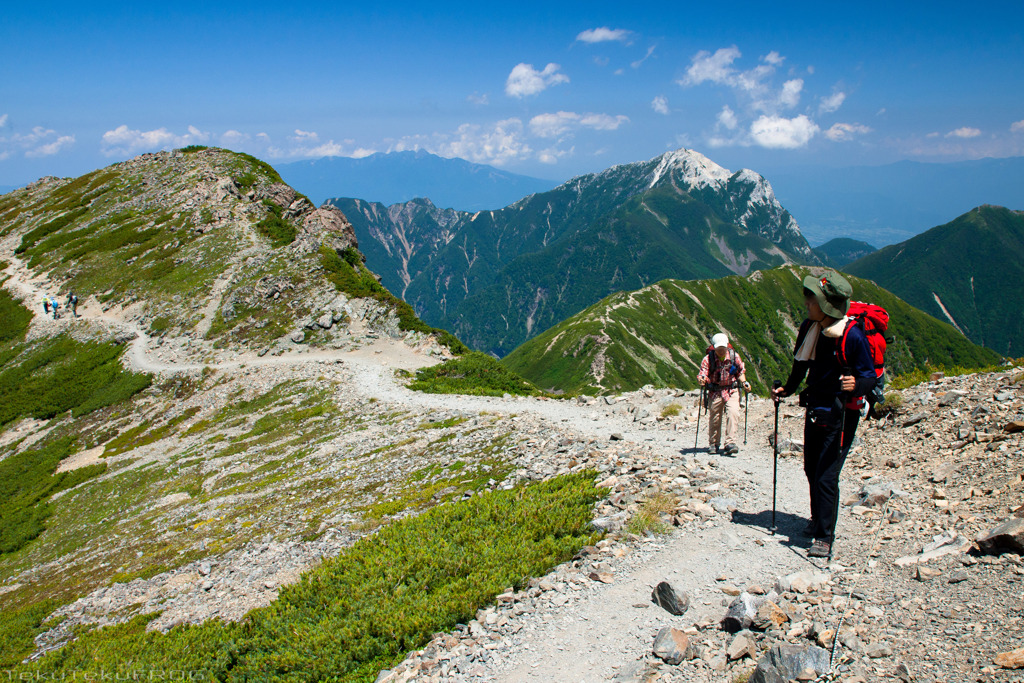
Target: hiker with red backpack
<point>833,352</point>
<point>722,374</point>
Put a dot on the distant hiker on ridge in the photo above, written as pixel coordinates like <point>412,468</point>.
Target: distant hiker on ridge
<point>73,303</point>
<point>721,373</point>
<point>55,306</point>
<point>46,304</point>
<point>832,351</point>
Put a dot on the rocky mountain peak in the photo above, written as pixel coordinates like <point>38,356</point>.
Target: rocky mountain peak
<point>692,167</point>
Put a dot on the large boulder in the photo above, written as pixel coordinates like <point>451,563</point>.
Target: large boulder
<point>326,226</point>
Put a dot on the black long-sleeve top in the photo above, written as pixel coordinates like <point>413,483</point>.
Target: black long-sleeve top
<point>823,372</point>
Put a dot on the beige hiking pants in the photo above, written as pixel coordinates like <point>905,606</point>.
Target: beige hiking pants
<point>727,411</point>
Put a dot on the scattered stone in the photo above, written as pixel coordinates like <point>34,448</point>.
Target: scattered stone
<point>742,645</point>
<point>1007,537</point>
<point>769,615</point>
<point>741,613</point>
<point>791,662</point>
<point>617,437</point>
<point>878,650</point>
<point>1011,660</point>
<point>673,646</point>
<point>669,599</point>
<point>1014,427</point>
<point>915,419</point>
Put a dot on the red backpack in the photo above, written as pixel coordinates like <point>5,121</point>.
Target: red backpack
<point>873,321</point>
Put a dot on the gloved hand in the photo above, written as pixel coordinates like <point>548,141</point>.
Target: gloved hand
<point>746,385</point>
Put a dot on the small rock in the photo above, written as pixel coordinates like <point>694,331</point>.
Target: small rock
<point>673,646</point>
<point>668,599</point>
<point>878,650</point>
<point>616,437</point>
<point>1008,536</point>
<point>1013,659</point>
<point>914,419</point>
<point>742,645</point>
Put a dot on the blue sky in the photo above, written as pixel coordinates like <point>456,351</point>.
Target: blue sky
<point>546,89</point>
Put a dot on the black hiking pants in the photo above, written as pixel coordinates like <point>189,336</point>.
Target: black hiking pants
<point>824,456</point>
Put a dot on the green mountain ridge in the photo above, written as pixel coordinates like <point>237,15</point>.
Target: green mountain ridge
<point>659,334</point>
<point>969,272</point>
<point>840,251</point>
<point>496,278</point>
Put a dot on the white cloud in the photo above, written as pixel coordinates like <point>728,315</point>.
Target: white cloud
<point>727,118</point>
<point>553,125</point>
<point>39,142</point>
<point>361,152</point>
<point>844,132</point>
<point>525,80</point>
<point>716,67</point>
<point>965,133</point>
<point>603,35</point>
<point>123,140</point>
<point>603,121</point>
<point>563,122</point>
<point>1017,126</point>
<point>832,102</point>
<point>552,155</point>
<point>790,95</point>
<point>498,145</point>
<point>478,99</point>
<point>773,58</point>
<point>51,148</point>
<point>637,63</point>
<point>660,104</point>
<point>776,132</point>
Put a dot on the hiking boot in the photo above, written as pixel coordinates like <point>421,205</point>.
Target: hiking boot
<point>731,449</point>
<point>820,548</point>
<point>712,449</point>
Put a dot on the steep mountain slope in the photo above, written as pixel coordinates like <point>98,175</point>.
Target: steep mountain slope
<point>658,335</point>
<point>497,278</point>
<point>842,250</point>
<point>969,271</point>
<point>401,176</point>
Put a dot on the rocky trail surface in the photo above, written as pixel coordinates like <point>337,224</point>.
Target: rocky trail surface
<point>913,592</point>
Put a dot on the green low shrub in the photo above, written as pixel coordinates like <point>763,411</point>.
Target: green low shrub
<point>363,610</point>
<point>14,318</point>
<point>27,480</point>
<point>63,374</point>
<point>473,373</point>
<point>275,228</point>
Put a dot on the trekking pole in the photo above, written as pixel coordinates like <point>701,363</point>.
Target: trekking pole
<point>775,452</point>
<point>746,412</point>
<point>700,408</point>
<point>844,397</point>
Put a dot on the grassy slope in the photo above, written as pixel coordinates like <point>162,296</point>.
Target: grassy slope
<point>659,334</point>
<point>974,263</point>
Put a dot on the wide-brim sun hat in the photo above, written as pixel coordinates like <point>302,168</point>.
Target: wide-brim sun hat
<point>832,292</point>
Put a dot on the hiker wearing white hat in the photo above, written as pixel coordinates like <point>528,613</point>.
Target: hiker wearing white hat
<point>722,373</point>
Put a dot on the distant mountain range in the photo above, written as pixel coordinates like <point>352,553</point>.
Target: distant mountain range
<point>969,271</point>
<point>842,250</point>
<point>496,278</point>
<point>402,176</point>
<point>887,204</point>
<point>659,334</point>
